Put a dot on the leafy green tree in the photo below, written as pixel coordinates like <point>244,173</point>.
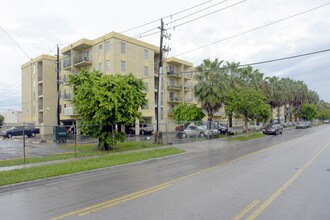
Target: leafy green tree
<point>308,112</point>
<point>103,101</point>
<point>2,119</point>
<point>248,102</point>
<point>185,113</point>
<point>210,89</point>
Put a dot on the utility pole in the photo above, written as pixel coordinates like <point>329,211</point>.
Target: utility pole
<point>58,84</point>
<point>160,73</point>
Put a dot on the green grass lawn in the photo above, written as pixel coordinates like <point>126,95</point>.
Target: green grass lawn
<point>83,164</point>
<point>246,137</point>
<point>82,150</point>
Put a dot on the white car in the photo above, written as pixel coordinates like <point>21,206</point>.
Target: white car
<point>198,131</point>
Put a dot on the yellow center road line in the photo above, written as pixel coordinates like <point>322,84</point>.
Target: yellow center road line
<point>152,189</point>
<point>94,207</point>
<point>246,210</point>
<point>124,200</point>
<point>271,199</point>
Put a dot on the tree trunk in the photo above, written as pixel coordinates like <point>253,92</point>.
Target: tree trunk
<point>231,120</point>
<point>246,124</point>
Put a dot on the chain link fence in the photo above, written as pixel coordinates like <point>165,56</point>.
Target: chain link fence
<point>27,143</point>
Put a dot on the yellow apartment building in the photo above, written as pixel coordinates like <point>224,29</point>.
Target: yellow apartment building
<point>112,53</point>
<point>39,99</point>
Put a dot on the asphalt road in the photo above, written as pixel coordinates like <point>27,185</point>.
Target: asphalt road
<point>276,177</point>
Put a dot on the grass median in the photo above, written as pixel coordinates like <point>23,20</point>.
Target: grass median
<point>246,137</point>
<point>83,164</point>
<point>80,150</point>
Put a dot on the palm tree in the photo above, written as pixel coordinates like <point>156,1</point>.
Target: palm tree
<point>211,87</point>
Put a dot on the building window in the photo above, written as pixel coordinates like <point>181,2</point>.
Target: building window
<point>123,66</point>
<point>108,66</point>
<point>34,96</point>
<point>146,106</point>
<point>123,47</point>
<point>34,68</point>
<point>100,49</point>
<point>146,87</point>
<point>64,79</point>
<point>146,71</point>
<point>107,47</point>
<point>34,82</point>
<point>146,54</point>
<point>100,66</point>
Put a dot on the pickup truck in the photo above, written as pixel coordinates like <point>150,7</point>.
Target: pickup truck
<point>18,131</point>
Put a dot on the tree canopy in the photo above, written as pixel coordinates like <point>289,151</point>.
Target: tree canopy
<point>2,119</point>
<point>249,102</point>
<point>103,101</point>
<point>187,112</point>
<point>308,112</point>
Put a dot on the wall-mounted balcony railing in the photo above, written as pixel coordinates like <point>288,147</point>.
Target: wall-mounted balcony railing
<point>188,99</point>
<point>67,63</point>
<point>175,99</point>
<point>173,74</point>
<point>67,96</point>
<point>174,86</point>
<point>82,60</point>
<point>69,111</point>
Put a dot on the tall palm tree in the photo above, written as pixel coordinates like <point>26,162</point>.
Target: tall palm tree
<point>211,86</point>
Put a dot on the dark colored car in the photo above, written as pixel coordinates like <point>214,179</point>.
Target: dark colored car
<point>273,129</point>
<point>19,131</point>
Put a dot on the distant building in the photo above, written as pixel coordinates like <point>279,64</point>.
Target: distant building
<point>12,117</point>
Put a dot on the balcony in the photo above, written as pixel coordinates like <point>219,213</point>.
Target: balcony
<point>170,112</point>
<point>67,96</point>
<point>173,74</point>
<point>67,63</point>
<point>175,99</point>
<point>82,61</point>
<point>173,86</point>
<point>188,75</point>
<point>188,99</point>
<point>188,88</point>
<point>69,111</point>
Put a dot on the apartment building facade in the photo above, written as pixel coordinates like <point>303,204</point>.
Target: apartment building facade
<point>112,53</point>
<point>39,97</point>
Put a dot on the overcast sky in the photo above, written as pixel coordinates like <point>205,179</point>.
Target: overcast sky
<point>38,26</point>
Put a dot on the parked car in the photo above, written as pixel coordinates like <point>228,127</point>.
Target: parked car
<point>144,129</point>
<point>19,130</point>
<point>273,129</point>
<point>196,131</point>
<point>301,125</point>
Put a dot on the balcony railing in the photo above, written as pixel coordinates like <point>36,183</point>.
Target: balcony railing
<point>66,62</point>
<point>188,99</point>
<point>174,74</point>
<point>175,99</point>
<point>69,111</point>
<point>67,96</point>
<point>174,86</point>
<point>82,60</point>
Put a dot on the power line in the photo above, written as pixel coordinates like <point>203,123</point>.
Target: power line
<point>175,26</point>
<point>15,42</point>
<point>168,16</point>
<point>196,12</point>
<point>253,29</point>
<point>147,31</point>
<point>265,61</point>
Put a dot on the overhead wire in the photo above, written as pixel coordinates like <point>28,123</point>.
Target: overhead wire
<point>168,16</point>
<point>189,21</point>
<point>253,29</point>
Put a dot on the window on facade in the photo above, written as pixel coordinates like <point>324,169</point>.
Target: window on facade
<point>146,71</point>
<point>123,66</point>
<point>101,66</point>
<point>100,49</point>
<point>107,47</point>
<point>34,96</point>
<point>34,68</point>
<point>64,79</point>
<point>171,69</point>
<point>146,86</point>
<point>146,105</point>
<point>34,82</point>
<point>146,54</point>
<point>123,47</point>
<point>108,66</point>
